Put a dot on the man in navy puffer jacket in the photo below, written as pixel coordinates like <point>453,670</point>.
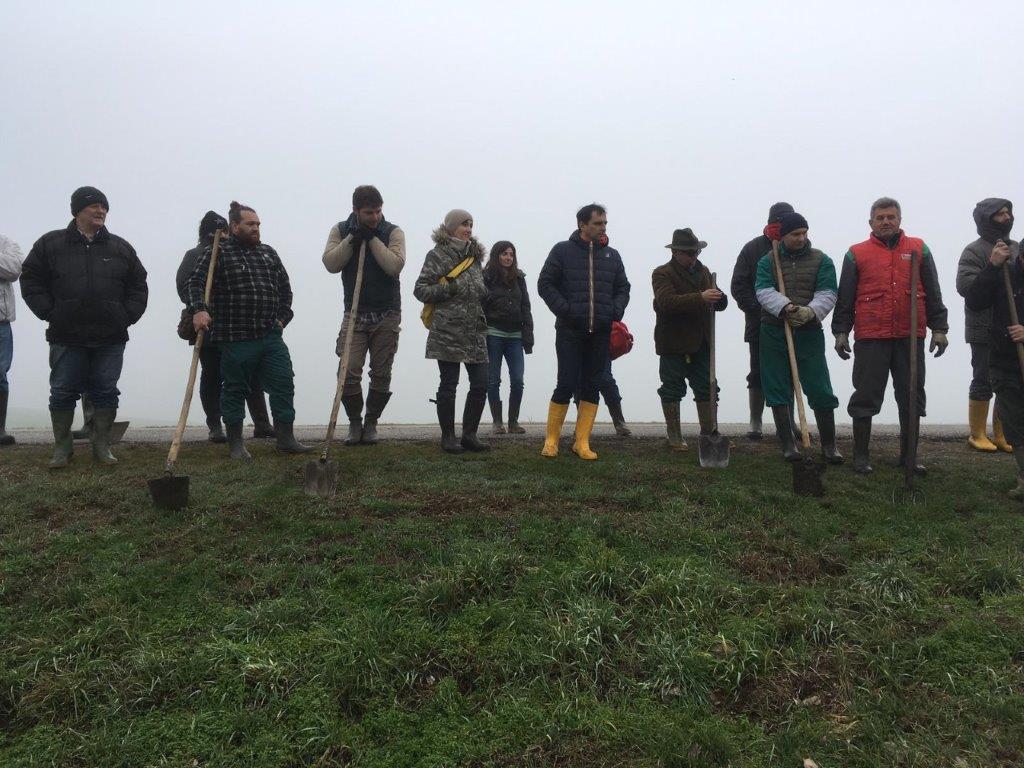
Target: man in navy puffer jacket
<point>584,284</point>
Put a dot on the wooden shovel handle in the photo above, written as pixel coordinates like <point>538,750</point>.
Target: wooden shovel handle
<point>711,344</point>
<point>805,436</point>
<point>179,430</point>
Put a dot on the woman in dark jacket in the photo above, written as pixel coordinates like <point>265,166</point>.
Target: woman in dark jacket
<point>509,331</point>
<point>458,329</point>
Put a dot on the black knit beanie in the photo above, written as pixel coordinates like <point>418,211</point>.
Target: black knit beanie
<point>83,197</point>
<point>790,221</point>
<point>211,222</point>
<point>777,210</point>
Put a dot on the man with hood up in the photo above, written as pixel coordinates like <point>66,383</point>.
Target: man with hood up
<point>993,218</point>
<point>584,284</point>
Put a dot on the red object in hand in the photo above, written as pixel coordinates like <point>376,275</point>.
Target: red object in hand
<point>620,341</point>
<point>772,231</point>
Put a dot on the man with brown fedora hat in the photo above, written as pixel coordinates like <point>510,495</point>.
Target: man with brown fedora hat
<point>684,298</point>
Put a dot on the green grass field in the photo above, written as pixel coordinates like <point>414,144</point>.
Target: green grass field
<point>510,611</point>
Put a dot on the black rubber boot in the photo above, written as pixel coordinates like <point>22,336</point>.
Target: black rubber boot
<point>257,404</point>
<point>919,468</point>
<point>102,423</point>
<point>471,414</point>
<point>862,445</point>
<point>354,409</point>
<point>826,421</point>
<point>515,400</point>
<point>498,426</point>
<point>5,439</point>
<point>217,433</point>
<point>784,430</point>
<point>756,398</point>
<point>446,420</point>
<point>284,431</point>
<point>236,443</point>
<point>618,420</point>
<point>63,445</point>
<point>375,403</point>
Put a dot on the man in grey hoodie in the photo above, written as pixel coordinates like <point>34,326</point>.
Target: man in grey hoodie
<point>10,270</point>
<point>993,218</point>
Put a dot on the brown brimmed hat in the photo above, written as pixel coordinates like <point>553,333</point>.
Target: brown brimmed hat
<point>685,240</point>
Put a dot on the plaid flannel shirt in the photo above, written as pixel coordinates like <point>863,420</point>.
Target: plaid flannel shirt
<point>251,292</point>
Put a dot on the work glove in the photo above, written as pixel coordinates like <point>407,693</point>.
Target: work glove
<point>939,343</point>
<point>801,316</point>
<point>843,345</point>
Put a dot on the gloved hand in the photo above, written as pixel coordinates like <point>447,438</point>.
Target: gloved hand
<point>939,343</point>
<point>801,316</point>
<point>843,345</point>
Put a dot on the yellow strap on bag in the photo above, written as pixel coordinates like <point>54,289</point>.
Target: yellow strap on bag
<point>427,313</point>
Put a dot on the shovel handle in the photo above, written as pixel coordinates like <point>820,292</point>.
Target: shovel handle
<point>179,430</point>
<point>911,457</point>
<point>794,371</point>
<point>345,350</point>
<point>711,344</point>
<point>1014,317</point>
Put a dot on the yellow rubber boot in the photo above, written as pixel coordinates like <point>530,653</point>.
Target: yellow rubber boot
<point>998,437</point>
<point>977,416</point>
<point>556,417</point>
<point>585,416</point>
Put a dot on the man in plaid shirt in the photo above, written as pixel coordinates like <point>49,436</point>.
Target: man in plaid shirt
<point>250,305</point>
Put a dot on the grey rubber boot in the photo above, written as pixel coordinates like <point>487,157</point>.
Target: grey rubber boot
<point>862,445</point>
<point>672,427</point>
<point>756,399</point>
<point>706,418</point>
<point>375,403</point>
<point>919,468</point>
<point>354,409</point>
<point>618,420</point>
<point>217,434</point>
<point>102,422</point>
<point>284,431</point>
<point>497,426</point>
<point>1017,494</point>
<point>236,443</point>
<point>63,442</point>
<point>86,431</point>
<point>783,428</point>
<point>5,439</point>
<point>257,405</point>
<point>826,421</point>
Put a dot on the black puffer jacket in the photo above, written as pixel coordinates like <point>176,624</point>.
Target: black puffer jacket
<point>744,275</point>
<point>89,293</point>
<point>507,307</point>
<point>565,285</point>
<point>988,292</point>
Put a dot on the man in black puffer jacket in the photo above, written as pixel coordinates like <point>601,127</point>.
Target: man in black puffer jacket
<point>584,284</point>
<point>89,286</point>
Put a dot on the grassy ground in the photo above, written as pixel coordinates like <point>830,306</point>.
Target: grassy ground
<point>506,610</point>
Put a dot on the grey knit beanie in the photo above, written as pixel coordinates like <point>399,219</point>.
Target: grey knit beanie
<point>455,217</point>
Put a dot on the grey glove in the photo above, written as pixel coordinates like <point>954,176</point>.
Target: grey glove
<point>802,316</point>
<point>843,345</point>
<point>939,343</point>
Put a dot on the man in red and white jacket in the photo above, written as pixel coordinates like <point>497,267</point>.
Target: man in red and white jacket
<point>874,301</point>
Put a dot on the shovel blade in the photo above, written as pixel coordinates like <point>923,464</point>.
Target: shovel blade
<point>169,493</point>
<point>117,430</point>
<point>807,478</point>
<point>713,451</point>
<point>321,479</point>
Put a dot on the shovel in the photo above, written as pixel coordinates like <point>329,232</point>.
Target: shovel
<point>806,472</point>
<point>911,459</point>
<point>171,492</point>
<point>713,449</point>
<point>322,474</point>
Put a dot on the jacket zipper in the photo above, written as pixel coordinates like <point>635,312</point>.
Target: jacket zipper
<point>591,287</point>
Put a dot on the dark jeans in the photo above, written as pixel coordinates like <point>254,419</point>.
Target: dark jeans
<point>450,378</point>
<point>981,386</point>
<point>6,354</point>
<point>873,359</point>
<point>511,350</point>
<point>91,371</point>
<point>210,383</point>
<point>754,377</point>
<point>265,360</point>
<point>583,363</point>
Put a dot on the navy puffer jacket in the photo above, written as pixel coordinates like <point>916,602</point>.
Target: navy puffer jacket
<point>565,281</point>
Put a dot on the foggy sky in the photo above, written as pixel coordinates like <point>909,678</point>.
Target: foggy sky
<point>672,114</point>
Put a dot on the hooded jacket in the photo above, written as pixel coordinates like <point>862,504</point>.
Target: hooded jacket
<point>88,291</point>
<point>458,330</point>
<point>584,285</point>
<point>973,260</point>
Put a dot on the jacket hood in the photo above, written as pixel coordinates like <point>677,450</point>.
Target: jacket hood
<point>983,213</point>
<point>441,238</point>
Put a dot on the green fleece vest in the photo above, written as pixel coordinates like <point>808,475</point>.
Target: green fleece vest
<point>801,276</point>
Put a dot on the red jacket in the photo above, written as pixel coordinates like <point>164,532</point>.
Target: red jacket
<point>882,306</point>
